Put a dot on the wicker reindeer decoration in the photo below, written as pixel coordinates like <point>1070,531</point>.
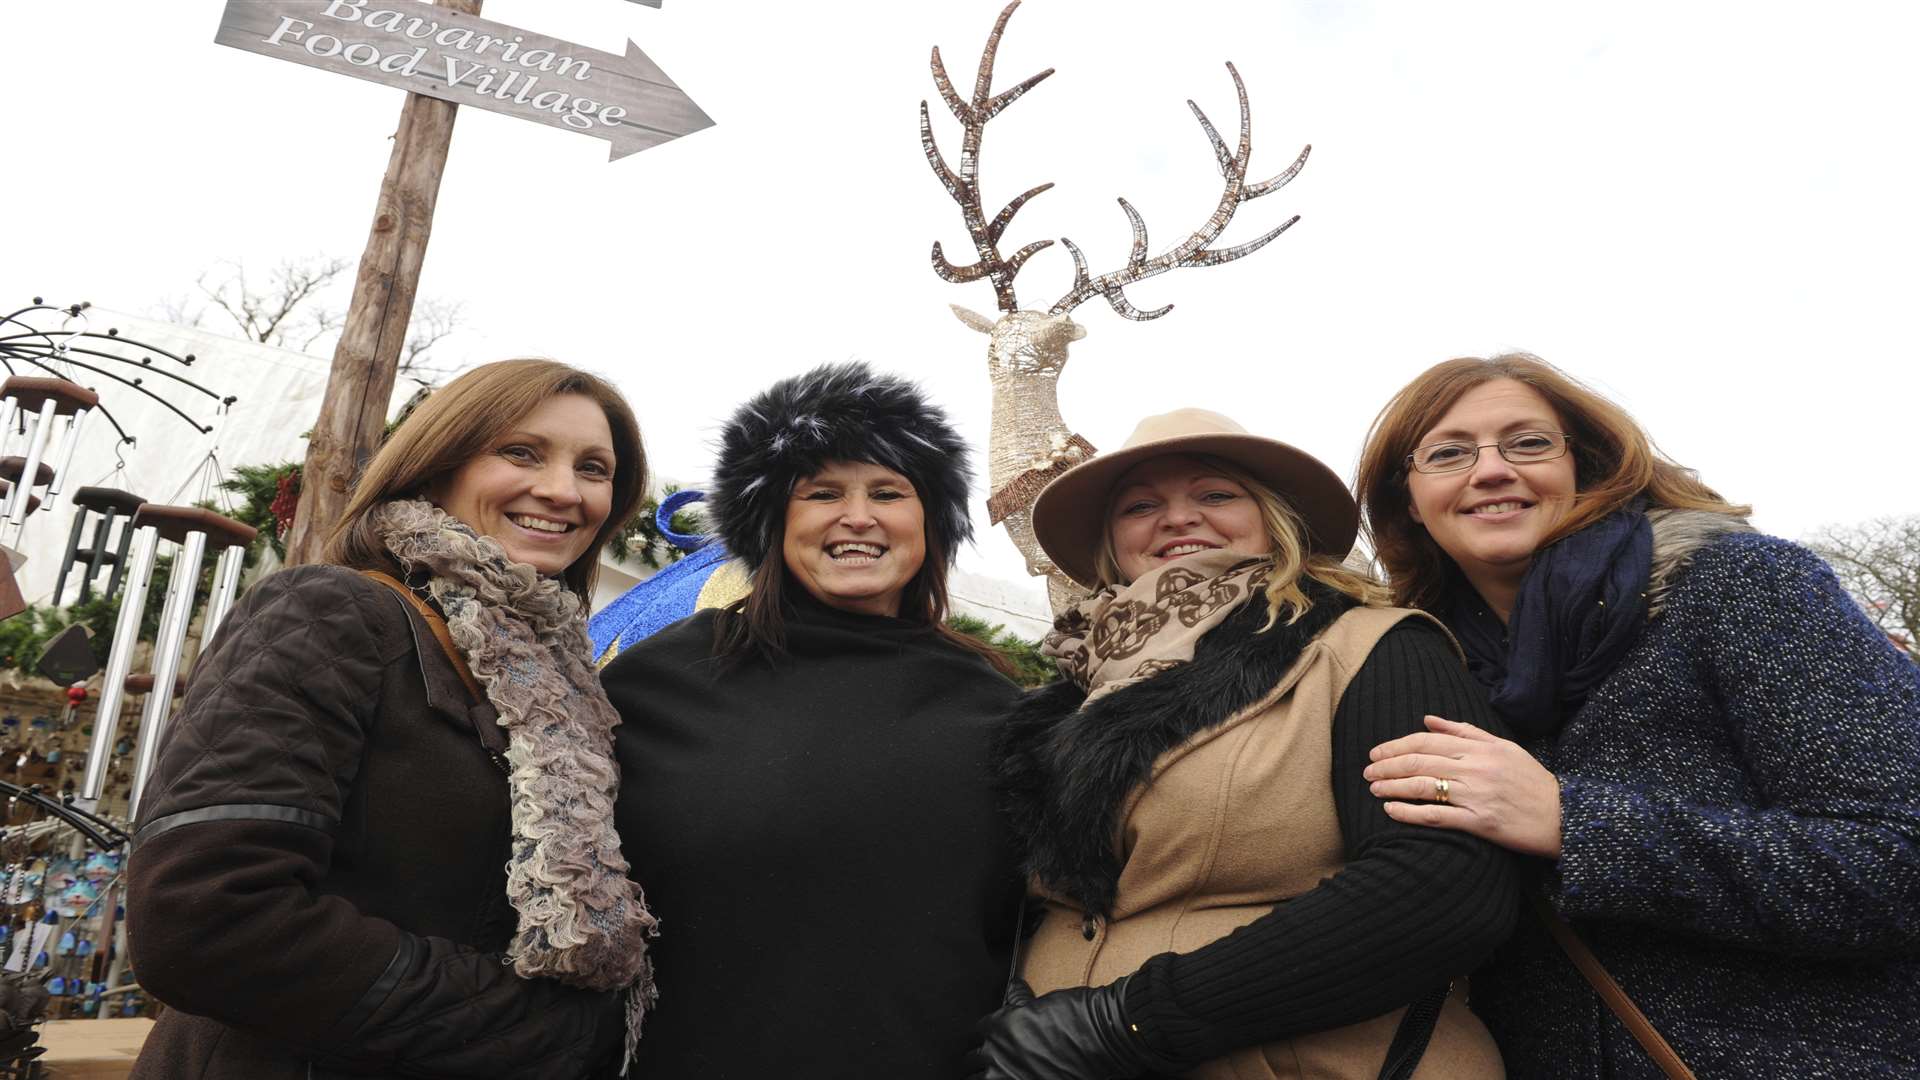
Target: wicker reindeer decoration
<point>1030,444</point>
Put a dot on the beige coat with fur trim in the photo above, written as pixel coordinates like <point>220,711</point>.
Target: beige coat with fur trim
<point>1234,821</point>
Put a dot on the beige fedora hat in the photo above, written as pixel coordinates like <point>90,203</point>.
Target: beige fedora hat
<point>1070,516</point>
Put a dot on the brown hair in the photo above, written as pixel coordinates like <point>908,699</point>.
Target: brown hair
<point>1614,462</point>
<point>755,625</point>
<point>1291,561</point>
<point>460,421</point>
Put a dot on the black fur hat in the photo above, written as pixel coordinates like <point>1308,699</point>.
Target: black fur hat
<point>836,412</point>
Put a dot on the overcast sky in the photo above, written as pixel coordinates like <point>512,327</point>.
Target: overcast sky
<point>1708,210</point>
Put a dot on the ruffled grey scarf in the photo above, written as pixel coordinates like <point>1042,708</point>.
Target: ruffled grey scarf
<point>581,919</point>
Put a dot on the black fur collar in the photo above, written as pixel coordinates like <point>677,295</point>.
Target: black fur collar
<point>1065,771</point>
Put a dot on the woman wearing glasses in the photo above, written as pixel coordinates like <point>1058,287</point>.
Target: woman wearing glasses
<point>1718,758</point>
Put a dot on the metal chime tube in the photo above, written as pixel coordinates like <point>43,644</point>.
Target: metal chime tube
<point>39,427</point>
<point>9,408</point>
<point>126,635</point>
<point>73,547</point>
<point>119,557</point>
<point>183,583</point>
<point>117,968</point>
<point>226,583</point>
<point>102,530</point>
<point>66,452</point>
<point>104,924</point>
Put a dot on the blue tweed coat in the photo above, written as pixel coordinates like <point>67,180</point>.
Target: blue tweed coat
<point>1741,840</point>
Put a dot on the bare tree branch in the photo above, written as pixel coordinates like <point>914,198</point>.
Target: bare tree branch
<point>322,323</point>
<point>433,321</point>
<point>287,310</point>
<point>180,311</point>
<point>293,284</point>
<point>1878,562</point>
<point>292,309</point>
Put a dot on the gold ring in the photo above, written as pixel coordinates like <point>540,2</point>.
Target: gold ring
<point>1442,792</point>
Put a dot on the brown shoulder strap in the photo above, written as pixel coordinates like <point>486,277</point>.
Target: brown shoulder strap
<point>1629,1014</point>
<point>436,624</point>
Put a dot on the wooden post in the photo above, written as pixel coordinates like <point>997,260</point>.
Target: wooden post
<point>353,414</point>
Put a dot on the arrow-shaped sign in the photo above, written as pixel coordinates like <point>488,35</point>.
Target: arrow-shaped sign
<point>471,61</point>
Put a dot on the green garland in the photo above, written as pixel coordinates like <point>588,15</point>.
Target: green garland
<point>1031,667</point>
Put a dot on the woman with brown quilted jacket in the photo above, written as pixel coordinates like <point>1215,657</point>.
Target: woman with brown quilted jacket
<point>379,838</point>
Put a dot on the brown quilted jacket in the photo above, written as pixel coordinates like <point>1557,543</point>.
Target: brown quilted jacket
<point>318,880</point>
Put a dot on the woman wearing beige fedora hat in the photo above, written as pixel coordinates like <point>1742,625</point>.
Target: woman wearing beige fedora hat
<point>1221,895</point>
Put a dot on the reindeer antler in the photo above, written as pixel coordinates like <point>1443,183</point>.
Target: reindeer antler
<point>964,185</point>
<point>1193,251</point>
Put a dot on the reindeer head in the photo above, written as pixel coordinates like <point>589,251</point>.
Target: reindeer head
<point>1025,342</point>
<point>1031,444</point>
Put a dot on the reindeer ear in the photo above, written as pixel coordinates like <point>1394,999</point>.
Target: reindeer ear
<point>973,318</point>
<point>1073,329</point>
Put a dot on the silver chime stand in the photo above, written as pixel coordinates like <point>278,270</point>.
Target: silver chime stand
<point>191,529</point>
<point>38,405</point>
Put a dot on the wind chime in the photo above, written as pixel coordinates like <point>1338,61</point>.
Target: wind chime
<point>60,897</point>
<point>1030,444</point>
<point>39,405</point>
<point>192,530</point>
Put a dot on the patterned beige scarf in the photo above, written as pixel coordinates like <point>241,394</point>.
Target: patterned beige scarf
<point>1123,634</point>
<point>581,919</point>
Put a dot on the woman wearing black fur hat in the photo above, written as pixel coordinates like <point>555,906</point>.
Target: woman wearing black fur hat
<point>804,774</point>
<point>1222,896</point>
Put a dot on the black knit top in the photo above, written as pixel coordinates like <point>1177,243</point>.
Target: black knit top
<point>821,841</point>
<point>1411,909</point>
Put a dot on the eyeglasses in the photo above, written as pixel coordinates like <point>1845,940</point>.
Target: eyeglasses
<point>1519,448</point>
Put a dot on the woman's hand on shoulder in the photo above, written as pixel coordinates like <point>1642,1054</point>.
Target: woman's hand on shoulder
<point>1456,776</point>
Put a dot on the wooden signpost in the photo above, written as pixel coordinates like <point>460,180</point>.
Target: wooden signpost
<point>445,55</point>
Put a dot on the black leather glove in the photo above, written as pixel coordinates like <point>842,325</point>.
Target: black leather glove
<point>1077,1034</point>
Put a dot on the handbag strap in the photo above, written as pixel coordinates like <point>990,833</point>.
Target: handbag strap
<point>435,623</point>
<point>1622,1006</point>
<point>1410,1039</point>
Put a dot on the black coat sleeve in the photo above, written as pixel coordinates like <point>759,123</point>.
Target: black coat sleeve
<point>1412,908</point>
<point>224,915</point>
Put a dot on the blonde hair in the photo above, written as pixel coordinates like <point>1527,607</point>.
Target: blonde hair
<point>456,424</point>
<point>1614,463</point>
<point>1291,560</point>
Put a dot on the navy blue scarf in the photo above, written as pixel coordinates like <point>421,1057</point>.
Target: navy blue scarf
<point>1580,607</point>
